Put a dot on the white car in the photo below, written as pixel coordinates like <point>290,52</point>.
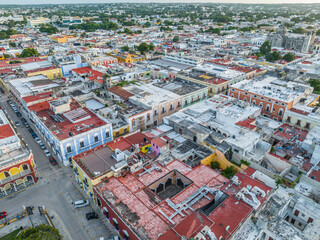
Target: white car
<point>38,140</point>
<point>81,203</point>
<point>47,153</point>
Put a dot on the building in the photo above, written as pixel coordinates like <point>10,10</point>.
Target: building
<point>67,63</point>
<point>17,166</point>
<point>271,94</point>
<point>176,200</point>
<point>298,42</point>
<point>68,128</point>
<point>38,21</point>
<point>127,57</point>
<point>184,59</point>
<point>71,20</point>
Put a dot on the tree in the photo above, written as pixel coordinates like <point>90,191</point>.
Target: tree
<point>143,47</point>
<point>51,53</point>
<point>127,31</point>
<point>215,165</point>
<point>175,39</point>
<point>6,56</point>
<point>289,57</point>
<point>29,52</point>
<point>13,44</point>
<point>39,232</point>
<point>213,30</point>
<point>299,30</point>
<point>229,172</point>
<point>147,24</point>
<point>47,28</point>
<point>274,56</point>
<point>180,28</point>
<point>151,46</point>
<point>125,48</point>
<point>265,47</point>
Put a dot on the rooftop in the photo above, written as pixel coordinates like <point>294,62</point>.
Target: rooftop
<point>75,121</point>
<point>272,87</point>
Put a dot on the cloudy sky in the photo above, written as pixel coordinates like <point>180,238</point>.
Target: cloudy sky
<point>106,1</point>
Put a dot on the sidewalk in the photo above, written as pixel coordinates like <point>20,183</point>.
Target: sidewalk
<point>103,218</point>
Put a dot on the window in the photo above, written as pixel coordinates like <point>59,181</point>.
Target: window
<point>107,134</point>
<point>300,224</point>
<point>298,123</point>
<point>69,150</point>
<point>277,102</point>
<point>171,107</point>
<point>245,93</point>
<point>269,100</point>
<point>96,138</point>
<point>233,90</point>
<point>155,112</point>
<point>254,96</point>
<point>310,220</point>
<point>307,125</point>
<point>296,213</point>
<point>280,113</point>
<point>288,119</point>
<point>81,144</point>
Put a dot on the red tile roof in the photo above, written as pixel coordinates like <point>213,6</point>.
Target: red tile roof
<point>117,90</point>
<point>247,123</point>
<point>37,97</point>
<point>6,131</point>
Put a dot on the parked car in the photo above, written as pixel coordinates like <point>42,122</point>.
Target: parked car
<point>23,120</point>
<point>1,90</point>
<point>81,203</point>
<point>42,146</point>
<point>38,140</point>
<point>18,114</point>
<point>34,135</point>
<point>3,215</point>
<point>52,161</point>
<point>91,215</point>
<point>47,153</point>
<point>30,130</point>
<point>17,124</point>
<point>27,125</point>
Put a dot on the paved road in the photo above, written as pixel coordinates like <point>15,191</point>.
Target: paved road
<point>54,190</point>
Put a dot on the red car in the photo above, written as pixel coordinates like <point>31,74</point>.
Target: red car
<point>3,215</point>
<point>53,161</point>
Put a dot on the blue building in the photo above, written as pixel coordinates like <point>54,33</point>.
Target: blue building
<point>67,63</point>
<point>70,129</point>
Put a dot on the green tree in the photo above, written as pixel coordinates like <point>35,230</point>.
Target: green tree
<point>265,47</point>
<point>6,56</point>
<point>127,31</point>
<point>215,165</point>
<point>229,172</point>
<point>3,35</point>
<point>151,46</point>
<point>13,44</point>
<point>29,52</point>
<point>289,57</point>
<point>299,30</point>
<point>39,233</point>
<point>47,28</point>
<point>180,28</point>
<point>274,56</point>
<point>213,30</point>
<point>143,47</point>
<point>125,48</point>
<point>147,24</point>
<point>51,53</point>
<point>175,39</point>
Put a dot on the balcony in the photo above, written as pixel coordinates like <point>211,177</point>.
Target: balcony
<point>14,177</point>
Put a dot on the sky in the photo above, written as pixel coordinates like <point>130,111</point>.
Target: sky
<point>113,1</point>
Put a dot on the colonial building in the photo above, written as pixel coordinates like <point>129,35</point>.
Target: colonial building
<point>298,42</point>
<point>17,167</point>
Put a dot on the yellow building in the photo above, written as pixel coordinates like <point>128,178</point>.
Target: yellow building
<point>127,57</point>
<point>220,158</point>
<point>90,169</point>
<point>59,39</point>
<point>50,72</point>
<point>117,132</point>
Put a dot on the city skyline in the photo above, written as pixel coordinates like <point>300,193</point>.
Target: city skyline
<point>28,2</point>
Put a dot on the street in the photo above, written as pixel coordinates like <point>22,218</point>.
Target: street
<point>54,190</point>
